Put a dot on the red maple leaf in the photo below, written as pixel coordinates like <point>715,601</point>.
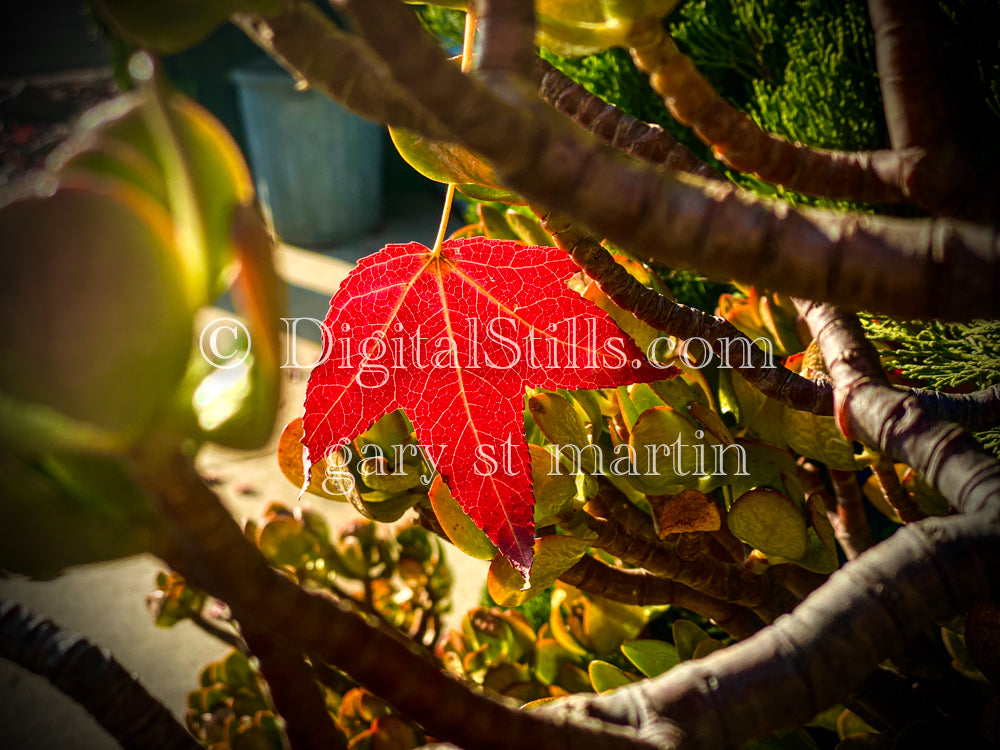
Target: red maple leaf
<point>453,340</point>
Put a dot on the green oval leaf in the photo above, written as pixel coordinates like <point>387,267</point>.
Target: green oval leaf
<point>687,636</point>
<point>174,25</point>
<point>70,509</point>
<point>663,442</point>
<point>651,657</point>
<point>451,163</point>
<point>90,274</point>
<point>529,229</point>
<point>769,521</point>
<point>818,438</point>
<point>552,485</point>
<point>605,676</point>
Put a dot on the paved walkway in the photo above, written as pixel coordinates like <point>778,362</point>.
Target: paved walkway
<point>106,602</point>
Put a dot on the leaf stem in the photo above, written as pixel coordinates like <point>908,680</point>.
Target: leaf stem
<point>468,38</point>
<point>445,215</point>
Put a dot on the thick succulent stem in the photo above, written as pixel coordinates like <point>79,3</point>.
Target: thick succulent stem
<point>89,675</point>
<point>975,411</point>
<point>646,142</point>
<point>886,418</point>
<point>868,610</point>
<point>508,37</point>
<point>869,176</point>
<point>631,586</point>
<point>933,171</point>
<point>809,660</point>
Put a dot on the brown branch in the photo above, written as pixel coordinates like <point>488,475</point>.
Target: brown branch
<point>233,570</point>
<point>727,342</point>
<point>854,539</point>
<point>908,268</point>
<point>721,580</point>
<point>934,173</point>
<point>976,411</point>
<point>93,678</point>
<point>810,659</point>
<point>872,411</point>
<point>894,492</point>
<point>737,140</point>
<point>644,589</point>
<point>295,694</point>
<point>850,509</point>
<point>913,97</point>
<point>646,142</point>
<point>508,37</point>
<point>307,44</point>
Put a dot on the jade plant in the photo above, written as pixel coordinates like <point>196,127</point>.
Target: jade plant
<point>718,513</point>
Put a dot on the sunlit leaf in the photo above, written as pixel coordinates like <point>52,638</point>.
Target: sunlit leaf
<point>174,25</point>
<point>554,555</point>
<point>651,657</point>
<point>452,163</point>
<point>463,334</point>
<point>769,521</point>
<point>606,676</point>
<point>459,528</point>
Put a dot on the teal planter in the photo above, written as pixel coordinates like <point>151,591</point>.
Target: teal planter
<point>317,167</point>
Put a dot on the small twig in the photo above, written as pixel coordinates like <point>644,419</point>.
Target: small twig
<point>228,637</point>
<point>894,492</point>
<point>93,678</point>
<point>856,534</point>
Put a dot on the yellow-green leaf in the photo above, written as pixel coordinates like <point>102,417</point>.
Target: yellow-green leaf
<point>605,676</point>
<point>818,438</point>
<point>651,657</point>
<point>663,442</point>
<point>769,521</point>
<point>452,163</point>
<point>687,636</point>
<point>459,528</point>
<point>554,555</point>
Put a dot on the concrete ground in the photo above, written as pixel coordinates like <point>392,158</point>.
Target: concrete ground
<point>105,602</point>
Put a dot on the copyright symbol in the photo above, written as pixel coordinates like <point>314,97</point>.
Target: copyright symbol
<point>220,343</point>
